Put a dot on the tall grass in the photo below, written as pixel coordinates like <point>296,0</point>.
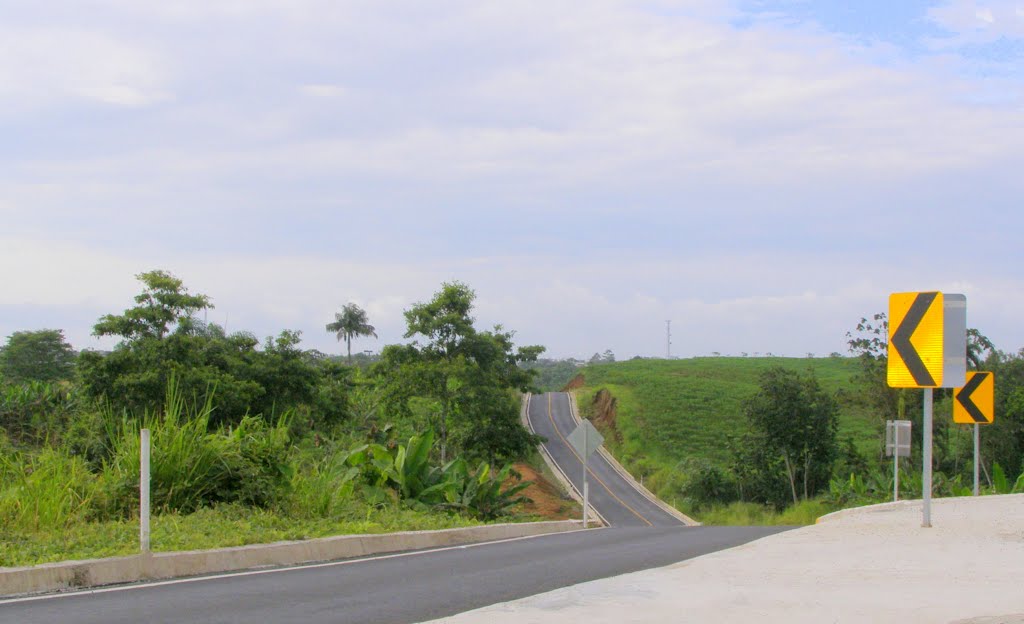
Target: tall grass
<point>754,514</point>
<point>322,488</point>
<point>46,491</point>
<point>188,463</point>
<point>192,466</point>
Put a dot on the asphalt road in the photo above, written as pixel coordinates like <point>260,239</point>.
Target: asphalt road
<point>409,587</point>
<point>615,498</point>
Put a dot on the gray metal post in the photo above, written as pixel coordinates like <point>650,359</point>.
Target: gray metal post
<point>926,476</point>
<point>895,468</point>
<point>586,490</point>
<point>144,493</point>
<point>977,455</point>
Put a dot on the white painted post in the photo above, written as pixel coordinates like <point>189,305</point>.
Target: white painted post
<point>977,455</point>
<point>926,476</point>
<point>144,494</point>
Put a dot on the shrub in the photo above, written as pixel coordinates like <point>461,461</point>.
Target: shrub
<point>706,483</point>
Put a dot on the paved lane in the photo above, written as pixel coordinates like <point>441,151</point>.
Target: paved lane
<point>396,589</point>
<point>614,497</point>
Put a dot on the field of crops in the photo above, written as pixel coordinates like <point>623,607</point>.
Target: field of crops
<point>672,410</point>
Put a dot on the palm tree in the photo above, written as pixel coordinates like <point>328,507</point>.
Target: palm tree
<point>349,323</point>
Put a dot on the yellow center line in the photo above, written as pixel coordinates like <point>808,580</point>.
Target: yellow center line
<point>589,471</point>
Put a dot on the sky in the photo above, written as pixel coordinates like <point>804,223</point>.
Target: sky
<point>761,173</point>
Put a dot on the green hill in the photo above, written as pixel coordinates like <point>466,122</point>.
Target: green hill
<point>670,411</point>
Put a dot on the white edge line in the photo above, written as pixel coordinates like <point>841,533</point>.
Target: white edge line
<point>311,566</point>
<point>557,470</point>
<point>625,474</point>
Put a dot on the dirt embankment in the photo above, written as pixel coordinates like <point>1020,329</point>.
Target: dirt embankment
<point>547,500</point>
<point>575,383</point>
<point>603,414</point>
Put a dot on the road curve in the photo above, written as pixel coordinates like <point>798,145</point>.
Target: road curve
<point>389,589</point>
<point>614,497</point>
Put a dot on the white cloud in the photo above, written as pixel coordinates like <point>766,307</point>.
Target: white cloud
<point>591,173</point>
<point>972,21</point>
<point>48,66</point>
<point>324,90</point>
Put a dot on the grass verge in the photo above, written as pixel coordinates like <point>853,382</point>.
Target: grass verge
<point>217,527</point>
<point>753,514</point>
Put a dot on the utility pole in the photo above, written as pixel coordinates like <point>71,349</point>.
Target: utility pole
<point>668,340</point>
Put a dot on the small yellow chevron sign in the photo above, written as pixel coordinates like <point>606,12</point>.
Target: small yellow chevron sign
<point>916,326</point>
<point>974,404</point>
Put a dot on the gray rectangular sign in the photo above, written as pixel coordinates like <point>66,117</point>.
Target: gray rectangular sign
<point>954,340</point>
<point>897,438</point>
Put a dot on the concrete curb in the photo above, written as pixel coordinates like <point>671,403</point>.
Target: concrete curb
<point>66,575</point>
<point>563,478</point>
<point>685,519</point>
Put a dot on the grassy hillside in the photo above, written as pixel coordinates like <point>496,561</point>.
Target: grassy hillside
<point>668,411</point>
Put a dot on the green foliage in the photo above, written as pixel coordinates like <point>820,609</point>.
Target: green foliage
<point>677,417</point>
<point>674,409</point>
<point>37,356</point>
<point>480,493</point>
<point>468,373</point>
<point>322,488</point>
<point>163,306</point>
<point>34,411</point>
<point>192,466</point>
<point>46,491</point>
<point>416,481</point>
<point>707,483</point>
<point>162,340</point>
<point>794,420</point>
<point>755,514</point>
<point>410,472</point>
<point>210,527</point>
<point>553,375</point>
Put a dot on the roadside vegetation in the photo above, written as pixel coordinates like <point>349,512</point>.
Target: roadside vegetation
<point>255,441</point>
<point>769,440</point>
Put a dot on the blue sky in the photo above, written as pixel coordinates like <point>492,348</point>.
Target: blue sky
<point>763,173</point>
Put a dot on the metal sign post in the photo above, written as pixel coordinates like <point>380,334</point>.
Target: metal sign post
<point>895,477</point>
<point>926,476</point>
<point>585,439</point>
<point>897,444</point>
<point>586,488</point>
<point>977,455</point>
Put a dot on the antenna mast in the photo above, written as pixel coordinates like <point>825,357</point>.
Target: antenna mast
<point>668,340</point>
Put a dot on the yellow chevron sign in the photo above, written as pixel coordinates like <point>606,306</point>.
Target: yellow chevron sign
<point>916,325</point>
<point>974,404</point>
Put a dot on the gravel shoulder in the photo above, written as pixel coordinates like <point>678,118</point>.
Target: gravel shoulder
<point>872,564</point>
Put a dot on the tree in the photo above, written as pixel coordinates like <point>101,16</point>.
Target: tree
<point>979,349</point>
<point>349,323</point>
<point>41,355</point>
<point>469,374</point>
<point>162,340</point>
<point>163,305</point>
<point>796,421</point>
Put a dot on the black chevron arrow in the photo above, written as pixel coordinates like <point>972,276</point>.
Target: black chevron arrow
<point>964,397</point>
<point>901,338</point>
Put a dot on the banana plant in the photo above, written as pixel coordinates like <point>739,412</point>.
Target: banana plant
<point>480,493</point>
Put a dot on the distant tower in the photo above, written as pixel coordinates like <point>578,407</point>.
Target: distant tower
<point>668,340</point>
